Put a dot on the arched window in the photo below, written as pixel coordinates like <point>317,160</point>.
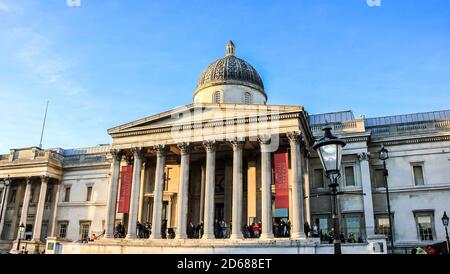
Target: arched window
<point>247,98</point>
<point>217,97</point>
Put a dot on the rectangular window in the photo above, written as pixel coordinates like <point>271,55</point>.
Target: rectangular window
<point>318,178</point>
<point>89,193</point>
<point>349,176</point>
<point>379,178</point>
<point>425,225</point>
<point>352,227</point>
<point>382,225</point>
<point>63,229</point>
<point>418,175</point>
<point>84,231</point>
<point>67,194</point>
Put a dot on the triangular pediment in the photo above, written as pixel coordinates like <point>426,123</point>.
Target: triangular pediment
<point>200,113</point>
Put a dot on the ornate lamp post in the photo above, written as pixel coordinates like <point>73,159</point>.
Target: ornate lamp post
<point>445,223</point>
<point>21,230</point>
<point>329,149</point>
<point>5,184</point>
<point>383,154</point>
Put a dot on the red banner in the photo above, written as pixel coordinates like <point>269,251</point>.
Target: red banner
<point>281,165</point>
<point>125,188</point>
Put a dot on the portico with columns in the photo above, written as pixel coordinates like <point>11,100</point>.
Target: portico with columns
<point>34,177</point>
<point>243,135</point>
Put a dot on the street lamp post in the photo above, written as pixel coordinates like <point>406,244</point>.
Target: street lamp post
<point>329,149</point>
<point>383,154</point>
<point>445,223</point>
<point>5,184</point>
<point>21,230</point>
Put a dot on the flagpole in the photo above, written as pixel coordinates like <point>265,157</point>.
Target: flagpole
<point>43,125</point>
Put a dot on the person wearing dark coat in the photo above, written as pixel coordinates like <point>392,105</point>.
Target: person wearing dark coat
<point>307,229</point>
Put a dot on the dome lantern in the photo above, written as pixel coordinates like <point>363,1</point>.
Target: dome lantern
<point>230,48</point>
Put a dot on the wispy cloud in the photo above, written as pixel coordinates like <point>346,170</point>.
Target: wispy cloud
<point>4,7</point>
<point>37,54</point>
<point>7,6</point>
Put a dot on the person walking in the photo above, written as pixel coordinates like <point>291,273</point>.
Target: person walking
<point>307,229</point>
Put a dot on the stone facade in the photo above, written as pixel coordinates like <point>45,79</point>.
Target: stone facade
<point>208,161</point>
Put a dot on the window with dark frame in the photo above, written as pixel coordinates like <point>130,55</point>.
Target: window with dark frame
<point>89,193</point>
<point>84,231</point>
<point>67,194</point>
<point>350,176</point>
<point>352,226</point>
<point>63,230</point>
<point>382,225</point>
<point>418,175</point>
<point>425,225</point>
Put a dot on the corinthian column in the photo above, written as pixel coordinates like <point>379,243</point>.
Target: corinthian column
<point>26,203</point>
<point>138,153</point>
<point>297,187</point>
<point>40,209</point>
<point>158,192</point>
<point>266,189</point>
<point>183,191</point>
<point>112,192</point>
<point>210,147</point>
<point>236,214</point>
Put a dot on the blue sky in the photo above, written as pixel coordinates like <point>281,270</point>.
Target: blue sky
<point>108,62</point>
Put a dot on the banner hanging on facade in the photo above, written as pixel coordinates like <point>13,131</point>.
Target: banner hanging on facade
<point>281,165</point>
<point>125,188</point>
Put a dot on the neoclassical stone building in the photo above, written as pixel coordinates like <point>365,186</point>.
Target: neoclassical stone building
<point>230,156</point>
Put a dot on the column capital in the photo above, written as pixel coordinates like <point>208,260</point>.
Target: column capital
<point>129,159</point>
<point>138,152</point>
<point>160,150</point>
<point>44,179</point>
<point>237,144</point>
<point>210,145</point>
<point>116,154</point>
<point>294,137</point>
<point>264,139</point>
<point>28,179</point>
<point>364,156</point>
<point>184,148</point>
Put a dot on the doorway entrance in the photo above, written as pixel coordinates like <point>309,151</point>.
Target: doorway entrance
<point>219,212</point>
